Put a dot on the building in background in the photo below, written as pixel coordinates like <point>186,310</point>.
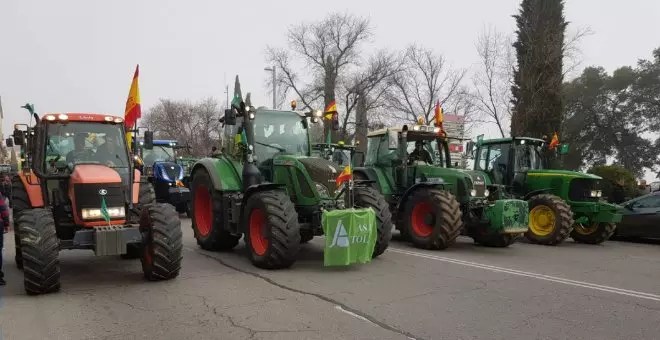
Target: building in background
<point>454,125</point>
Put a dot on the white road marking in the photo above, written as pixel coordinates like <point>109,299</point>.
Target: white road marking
<point>614,290</point>
<point>341,309</point>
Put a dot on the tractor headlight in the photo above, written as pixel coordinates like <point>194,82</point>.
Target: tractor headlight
<point>322,189</point>
<point>596,193</point>
<point>473,193</point>
<point>486,193</point>
<point>600,193</point>
<point>94,214</point>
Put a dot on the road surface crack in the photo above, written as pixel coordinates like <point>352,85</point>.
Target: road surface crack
<point>268,280</point>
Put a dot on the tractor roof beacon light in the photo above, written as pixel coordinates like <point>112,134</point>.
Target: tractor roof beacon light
<point>293,105</point>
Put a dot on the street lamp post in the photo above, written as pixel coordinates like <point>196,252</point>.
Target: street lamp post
<point>272,69</point>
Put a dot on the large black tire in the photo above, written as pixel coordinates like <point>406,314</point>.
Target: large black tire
<point>367,197</point>
<point>563,220</point>
<point>20,202</point>
<point>18,257</point>
<point>162,242</point>
<point>272,231</point>
<point>596,234</point>
<point>40,247</point>
<point>208,215</point>
<point>432,218</point>
<point>146,196</point>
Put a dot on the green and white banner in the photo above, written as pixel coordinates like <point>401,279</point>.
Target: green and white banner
<point>350,236</point>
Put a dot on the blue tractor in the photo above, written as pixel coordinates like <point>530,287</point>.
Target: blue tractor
<point>160,168</point>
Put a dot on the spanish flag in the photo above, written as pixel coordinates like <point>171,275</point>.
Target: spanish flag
<point>133,110</point>
<point>554,142</point>
<point>344,175</point>
<point>438,115</point>
<point>330,110</point>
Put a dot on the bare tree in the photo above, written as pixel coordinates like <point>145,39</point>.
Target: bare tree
<point>491,82</point>
<point>423,80</point>
<point>194,125</point>
<point>326,48</point>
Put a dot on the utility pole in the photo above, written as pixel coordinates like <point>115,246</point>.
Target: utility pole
<point>272,69</point>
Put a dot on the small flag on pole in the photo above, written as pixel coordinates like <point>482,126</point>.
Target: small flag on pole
<point>554,142</point>
<point>104,210</point>
<point>344,176</point>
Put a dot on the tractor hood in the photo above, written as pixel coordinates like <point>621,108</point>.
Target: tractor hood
<point>460,182</point>
<point>322,171</point>
<point>561,173</point>
<point>168,171</point>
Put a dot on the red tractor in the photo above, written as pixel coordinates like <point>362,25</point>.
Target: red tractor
<point>79,190</point>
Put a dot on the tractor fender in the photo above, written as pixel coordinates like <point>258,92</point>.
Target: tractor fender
<point>413,188</point>
<point>367,176</point>
<point>536,192</point>
<point>224,173</point>
<point>254,189</point>
<point>32,186</point>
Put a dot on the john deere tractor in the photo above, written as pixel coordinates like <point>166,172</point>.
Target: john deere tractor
<point>431,202</point>
<point>562,203</point>
<point>78,190</point>
<point>269,188</point>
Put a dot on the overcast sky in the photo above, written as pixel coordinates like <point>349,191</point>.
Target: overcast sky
<point>79,55</point>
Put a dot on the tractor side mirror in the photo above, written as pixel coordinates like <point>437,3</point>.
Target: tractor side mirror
<point>148,140</point>
<point>392,140</point>
<point>230,117</point>
<point>19,137</point>
<point>9,142</point>
<point>564,149</point>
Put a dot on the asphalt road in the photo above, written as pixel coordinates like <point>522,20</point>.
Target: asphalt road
<point>573,291</point>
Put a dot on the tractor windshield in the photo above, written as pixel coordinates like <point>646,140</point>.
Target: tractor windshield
<point>82,142</point>
<point>280,132</point>
<point>528,157</point>
<point>160,153</point>
<point>425,150</point>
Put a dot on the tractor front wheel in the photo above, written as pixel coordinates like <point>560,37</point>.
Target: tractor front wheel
<point>208,216</point>
<point>162,242</point>
<point>19,201</point>
<point>593,233</point>
<point>272,230</point>
<point>40,249</point>
<point>367,197</point>
<point>550,220</point>
<point>433,219</point>
<point>146,195</point>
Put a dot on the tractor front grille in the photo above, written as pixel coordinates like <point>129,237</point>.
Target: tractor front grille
<point>172,170</point>
<point>88,196</point>
<point>580,189</point>
<point>322,171</point>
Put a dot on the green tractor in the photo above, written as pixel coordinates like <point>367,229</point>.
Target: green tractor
<point>432,203</point>
<point>268,187</point>
<point>561,203</point>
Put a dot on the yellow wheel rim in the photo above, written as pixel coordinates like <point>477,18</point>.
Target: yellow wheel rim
<point>541,220</point>
<point>586,230</point>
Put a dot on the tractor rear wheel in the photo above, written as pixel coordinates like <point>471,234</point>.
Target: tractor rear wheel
<point>367,197</point>
<point>40,247</point>
<point>208,215</point>
<point>594,233</point>
<point>550,220</point>
<point>162,242</point>
<point>19,201</point>
<point>432,218</point>
<point>272,230</point>
<point>146,196</point>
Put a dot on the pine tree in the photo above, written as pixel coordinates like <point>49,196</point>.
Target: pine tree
<point>538,77</point>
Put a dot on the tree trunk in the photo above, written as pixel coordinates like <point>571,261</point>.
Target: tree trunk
<point>330,83</point>
<point>361,123</point>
